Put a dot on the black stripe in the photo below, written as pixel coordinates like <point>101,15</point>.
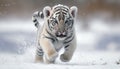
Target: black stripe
<point>38,14</point>
<point>57,13</point>
<point>57,9</point>
<point>34,20</point>
<point>36,24</point>
<point>42,16</point>
<point>40,49</point>
<point>40,53</point>
<point>49,25</point>
<point>61,7</point>
<point>66,46</point>
<point>64,10</point>
<point>51,35</point>
<point>71,26</point>
<point>60,10</point>
<point>65,13</point>
<point>69,40</point>
<point>53,40</point>
<point>69,37</point>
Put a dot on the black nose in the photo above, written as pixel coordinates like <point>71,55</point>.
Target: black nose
<point>61,34</point>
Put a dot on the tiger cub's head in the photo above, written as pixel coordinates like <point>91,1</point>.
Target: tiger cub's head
<point>60,19</point>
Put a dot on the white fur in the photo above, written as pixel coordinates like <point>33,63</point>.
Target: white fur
<point>51,49</point>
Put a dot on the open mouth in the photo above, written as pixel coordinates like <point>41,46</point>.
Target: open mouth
<point>61,36</point>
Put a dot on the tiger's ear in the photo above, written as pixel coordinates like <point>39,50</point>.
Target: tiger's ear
<point>73,11</point>
<point>46,11</point>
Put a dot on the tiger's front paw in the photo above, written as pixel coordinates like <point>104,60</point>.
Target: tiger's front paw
<point>38,58</point>
<point>51,57</point>
<point>64,58</point>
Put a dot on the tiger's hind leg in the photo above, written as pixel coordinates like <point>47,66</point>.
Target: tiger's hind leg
<point>39,55</point>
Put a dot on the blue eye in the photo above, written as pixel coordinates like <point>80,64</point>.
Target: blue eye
<point>69,23</point>
<point>53,23</point>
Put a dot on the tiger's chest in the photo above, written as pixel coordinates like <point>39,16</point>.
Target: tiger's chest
<point>58,45</point>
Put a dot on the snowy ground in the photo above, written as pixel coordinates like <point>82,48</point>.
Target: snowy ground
<point>17,50</point>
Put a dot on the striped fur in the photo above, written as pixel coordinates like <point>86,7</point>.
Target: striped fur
<point>57,32</point>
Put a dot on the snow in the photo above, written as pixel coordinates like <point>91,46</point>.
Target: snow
<point>17,50</point>
<point>83,60</point>
<point>51,66</point>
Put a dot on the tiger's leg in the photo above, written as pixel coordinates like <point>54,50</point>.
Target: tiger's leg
<point>69,50</point>
<point>48,61</point>
<point>50,53</point>
<point>39,55</point>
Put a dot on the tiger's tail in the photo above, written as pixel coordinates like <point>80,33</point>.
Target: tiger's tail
<point>36,15</point>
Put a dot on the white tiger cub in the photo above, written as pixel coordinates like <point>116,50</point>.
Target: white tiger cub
<point>57,32</point>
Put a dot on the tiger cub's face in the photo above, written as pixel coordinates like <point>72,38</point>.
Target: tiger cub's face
<point>60,20</point>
